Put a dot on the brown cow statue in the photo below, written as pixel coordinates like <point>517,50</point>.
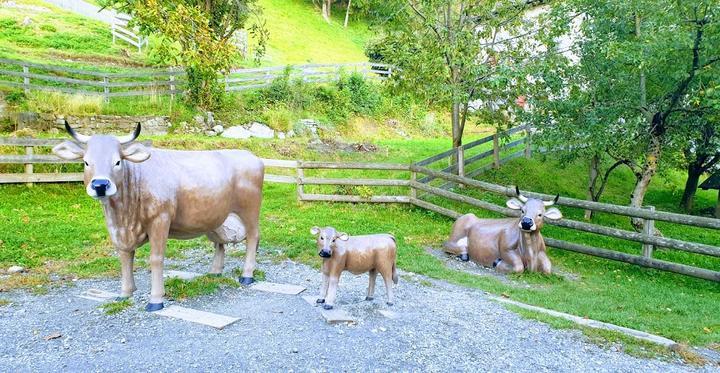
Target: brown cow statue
<point>357,254</point>
<point>508,245</point>
<point>150,195</point>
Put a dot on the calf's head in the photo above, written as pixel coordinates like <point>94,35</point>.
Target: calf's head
<point>533,211</point>
<point>104,158</point>
<point>326,239</point>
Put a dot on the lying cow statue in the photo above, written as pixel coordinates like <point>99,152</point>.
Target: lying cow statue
<point>508,245</point>
<point>357,254</point>
<point>150,195</point>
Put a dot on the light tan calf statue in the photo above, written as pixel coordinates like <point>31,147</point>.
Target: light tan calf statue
<point>508,245</point>
<point>357,254</point>
<point>150,195</point>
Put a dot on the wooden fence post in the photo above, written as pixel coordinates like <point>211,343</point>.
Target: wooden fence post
<point>172,86</point>
<point>26,79</point>
<point>300,176</point>
<point>528,143</point>
<point>496,151</point>
<point>413,178</point>
<point>29,166</point>
<point>648,230</point>
<point>106,88</point>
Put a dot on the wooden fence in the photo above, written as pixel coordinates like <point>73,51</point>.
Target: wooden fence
<point>33,76</point>
<point>403,184</point>
<point>119,30</point>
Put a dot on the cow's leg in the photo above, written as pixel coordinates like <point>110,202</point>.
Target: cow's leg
<point>371,285</point>
<point>158,235</point>
<point>127,286</point>
<point>250,219</point>
<point>324,289</point>
<point>544,263</point>
<point>218,260</point>
<point>332,291</point>
<point>511,262</point>
<point>387,277</point>
<point>458,248</point>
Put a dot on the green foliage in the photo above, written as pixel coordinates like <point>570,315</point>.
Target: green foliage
<point>113,308</point>
<point>176,288</point>
<point>364,97</point>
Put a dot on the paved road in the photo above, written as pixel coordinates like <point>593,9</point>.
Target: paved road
<point>441,328</point>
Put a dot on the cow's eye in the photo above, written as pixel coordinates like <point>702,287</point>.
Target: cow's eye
<point>334,239</point>
<point>322,238</point>
<point>86,164</point>
<point>117,163</point>
<point>540,215</point>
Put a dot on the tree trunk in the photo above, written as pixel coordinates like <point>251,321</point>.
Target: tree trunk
<point>717,206</point>
<point>326,10</point>
<point>456,132</point>
<point>347,14</point>
<point>592,180</point>
<point>691,184</point>
<point>649,169</point>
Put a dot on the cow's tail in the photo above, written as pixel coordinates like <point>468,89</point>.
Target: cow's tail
<point>394,274</point>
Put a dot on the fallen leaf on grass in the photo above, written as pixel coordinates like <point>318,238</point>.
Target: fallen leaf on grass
<point>707,330</point>
<point>55,335</point>
<point>504,295</point>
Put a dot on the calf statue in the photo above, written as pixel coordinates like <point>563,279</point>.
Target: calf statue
<point>508,245</point>
<point>150,195</point>
<point>357,254</point>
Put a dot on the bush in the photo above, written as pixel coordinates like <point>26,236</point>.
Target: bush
<point>364,96</point>
<point>15,98</point>
<point>48,28</point>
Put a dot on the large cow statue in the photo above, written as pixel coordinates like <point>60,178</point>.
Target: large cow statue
<point>150,195</point>
<point>508,245</point>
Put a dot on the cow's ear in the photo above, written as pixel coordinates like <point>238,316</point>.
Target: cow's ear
<point>343,236</point>
<point>315,231</point>
<point>514,204</point>
<point>553,214</point>
<point>136,153</point>
<point>68,150</point>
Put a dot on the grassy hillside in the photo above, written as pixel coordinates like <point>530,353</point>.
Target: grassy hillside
<point>58,229</point>
<point>298,34</point>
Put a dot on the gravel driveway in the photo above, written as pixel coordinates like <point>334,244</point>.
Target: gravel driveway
<point>441,328</point>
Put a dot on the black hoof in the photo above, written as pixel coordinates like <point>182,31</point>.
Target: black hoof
<point>327,307</point>
<point>320,300</point>
<point>120,299</point>
<point>214,274</point>
<point>151,307</point>
<point>389,303</point>
<point>246,280</point>
<point>464,257</point>
<point>369,298</point>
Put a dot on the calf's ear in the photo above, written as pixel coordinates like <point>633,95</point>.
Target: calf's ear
<point>343,236</point>
<point>136,153</point>
<point>553,214</point>
<point>68,150</point>
<point>315,231</point>
<point>514,204</point>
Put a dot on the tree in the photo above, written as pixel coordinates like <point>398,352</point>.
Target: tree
<point>637,63</point>
<point>452,52</point>
<point>198,33</point>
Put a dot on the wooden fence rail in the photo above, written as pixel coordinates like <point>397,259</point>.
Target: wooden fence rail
<point>33,76</point>
<point>409,195</point>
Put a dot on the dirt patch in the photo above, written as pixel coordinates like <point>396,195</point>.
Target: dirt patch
<point>332,146</point>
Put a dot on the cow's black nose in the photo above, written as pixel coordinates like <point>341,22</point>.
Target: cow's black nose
<point>100,186</point>
<point>324,254</point>
<point>526,223</point>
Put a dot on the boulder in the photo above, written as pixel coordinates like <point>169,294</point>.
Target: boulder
<point>237,132</point>
<point>218,129</point>
<point>262,131</point>
<point>210,133</point>
<point>281,135</point>
<point>15,269</point>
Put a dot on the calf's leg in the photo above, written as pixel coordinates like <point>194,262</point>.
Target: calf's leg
<point>332,292</point>
<point>218,260</point>
<point>511,262</point>
<point>388,278</point>
<point>127,286</point>
<point>324,289</point>
<point>250,219</point>
<point>158,242</point>
<point>544,263</point>
<point>371,285</point>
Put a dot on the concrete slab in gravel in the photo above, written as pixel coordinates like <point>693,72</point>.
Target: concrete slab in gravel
<point>201,317</point>
<point>183,275</point>
<point>98,295</point>
<point>389,314</point>
<point>272,287</point>
<point>333,316</point>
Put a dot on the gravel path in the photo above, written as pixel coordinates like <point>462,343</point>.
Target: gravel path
<point>441,328</point>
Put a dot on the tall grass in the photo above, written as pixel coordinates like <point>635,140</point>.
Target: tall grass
<point>61,103</point>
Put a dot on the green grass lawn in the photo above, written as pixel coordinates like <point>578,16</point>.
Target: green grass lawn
<point>57,228</point>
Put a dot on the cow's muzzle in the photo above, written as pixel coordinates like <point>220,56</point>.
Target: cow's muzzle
<point>526,224</point>
<point>100,186</point>
<point>324,254</point>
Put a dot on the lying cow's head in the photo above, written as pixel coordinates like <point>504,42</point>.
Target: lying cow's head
<point>104,158</point>
<point>326,239</point>
<point>533,211</point>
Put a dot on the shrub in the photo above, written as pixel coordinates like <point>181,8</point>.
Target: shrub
<point>364,96</point>
<point>48,28</point>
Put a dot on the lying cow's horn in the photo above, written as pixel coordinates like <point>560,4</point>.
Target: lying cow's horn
<point>554,201</point>
<point>80,138</point>
<point>521,197</point>
<point>130,138</point>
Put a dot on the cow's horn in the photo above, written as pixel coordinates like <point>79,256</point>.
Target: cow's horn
<point>521,197</point>
<point>80,138</point>
<point>130,138</point>
<point>554,201</point>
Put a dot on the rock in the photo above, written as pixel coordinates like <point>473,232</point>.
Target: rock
<point>262,131</point>
<point>27,22</point>
<point>237,132</point>
<point>218,129</point>
<point>199,120</point>
<point>290,133</point>
<point>281,135</point>
<point>210,133</point>
<point>15,269</point>
<point>210,119</point>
